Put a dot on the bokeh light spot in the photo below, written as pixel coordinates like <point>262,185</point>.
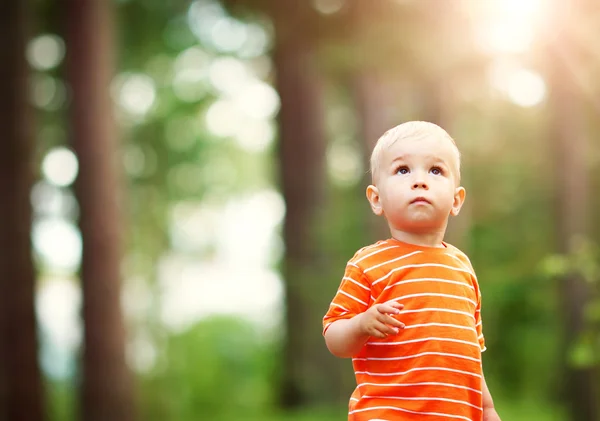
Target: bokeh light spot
<point>45,52</point>
<point>60,166</point>
<point>135,93</point>
<point>58,243</point>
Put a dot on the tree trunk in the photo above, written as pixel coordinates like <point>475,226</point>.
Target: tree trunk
<point>438,108</point>
<point>302,153</point>
<point>374,105</point>
<point>570,143</point>
<point>107,389</point>
<point>20,379</point>
<point>373,95</point>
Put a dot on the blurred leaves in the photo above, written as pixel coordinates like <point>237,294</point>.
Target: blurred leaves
<point>176,153</point>
<point>218,368</point>
<point>583,261</point>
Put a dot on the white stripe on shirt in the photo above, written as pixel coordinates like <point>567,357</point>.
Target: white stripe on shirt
<point>383,278</point>
<point>431,294</point>
<point>421,354</point>
<point>375,252</point>
<point>347,278</point>
<point>402,373</point>
<point>353,297</point>
<point>392,260</point>
<point>447,281</point>
<point>424,399</point>
<point>460,417</point>
<point>432,338</point>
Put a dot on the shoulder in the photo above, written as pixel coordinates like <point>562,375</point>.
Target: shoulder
<point>371,252</point>
<point>377,254</point>
<point>459,255</point>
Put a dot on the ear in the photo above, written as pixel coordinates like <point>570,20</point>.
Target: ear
<point>374,200</point>
<point>459,198</point>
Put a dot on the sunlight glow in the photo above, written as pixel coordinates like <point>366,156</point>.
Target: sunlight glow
<point>507,26</point>
<point>57,305</point>
<point>256,135</point>
<point>258,100</point>
<point>521,86</point>
<point>229,75</point>
<point>526,88</point>
<point>192,291</point>
<point>245,107</point>
<point>222,118</point>
<point>237,244</point>
<point>58,242</point>
<point>226,118</point>
<point>60,166</point>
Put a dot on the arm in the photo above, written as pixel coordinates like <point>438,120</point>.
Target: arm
<point>489,412</point>
<point>346,337</point>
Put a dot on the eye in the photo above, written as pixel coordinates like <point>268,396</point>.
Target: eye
<point>403,169</point>
<point>436,171</point>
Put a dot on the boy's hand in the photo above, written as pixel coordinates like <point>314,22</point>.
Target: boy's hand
<point>377,322</point>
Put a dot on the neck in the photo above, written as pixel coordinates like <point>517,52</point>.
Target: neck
<point>425,239</point>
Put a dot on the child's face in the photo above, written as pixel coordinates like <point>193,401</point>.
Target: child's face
<point>417,184</point>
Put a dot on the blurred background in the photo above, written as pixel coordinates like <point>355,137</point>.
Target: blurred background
<point>182,183</point>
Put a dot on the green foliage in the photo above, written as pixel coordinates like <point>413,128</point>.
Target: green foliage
<point>61,401</point>
<point>218,368</point>
<point>222,367</point>
<point>584,263</point>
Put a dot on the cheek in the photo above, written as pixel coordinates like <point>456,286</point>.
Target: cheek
<point>448,194</point>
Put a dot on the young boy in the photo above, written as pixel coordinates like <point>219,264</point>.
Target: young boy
<point>408,308</point>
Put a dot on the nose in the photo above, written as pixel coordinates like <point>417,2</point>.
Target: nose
<point>419,183</point>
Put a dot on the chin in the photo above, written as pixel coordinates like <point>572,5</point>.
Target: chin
<point>421,224</point>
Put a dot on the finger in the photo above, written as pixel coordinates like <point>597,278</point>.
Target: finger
<point>390,308</point>
<point>387,330</point>
<point>376,333</point>
<point>394,303</point>
<point>388,320</point>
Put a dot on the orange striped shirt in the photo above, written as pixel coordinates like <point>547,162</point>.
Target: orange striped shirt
<point>432,369</point>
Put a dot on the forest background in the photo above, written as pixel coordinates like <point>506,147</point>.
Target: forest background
<point>182,183</point>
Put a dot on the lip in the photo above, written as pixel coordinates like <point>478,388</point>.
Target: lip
<point>420,200</point>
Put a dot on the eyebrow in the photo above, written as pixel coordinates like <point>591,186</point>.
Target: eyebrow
<point>434,158</point>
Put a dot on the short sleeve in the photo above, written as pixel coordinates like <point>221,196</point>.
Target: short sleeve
<point>352,297</point>
<point>478,322</point>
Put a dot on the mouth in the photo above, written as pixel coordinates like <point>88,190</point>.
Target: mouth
<point>420,200</point>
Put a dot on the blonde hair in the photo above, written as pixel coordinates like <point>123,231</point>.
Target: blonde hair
<point>410,130</point>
